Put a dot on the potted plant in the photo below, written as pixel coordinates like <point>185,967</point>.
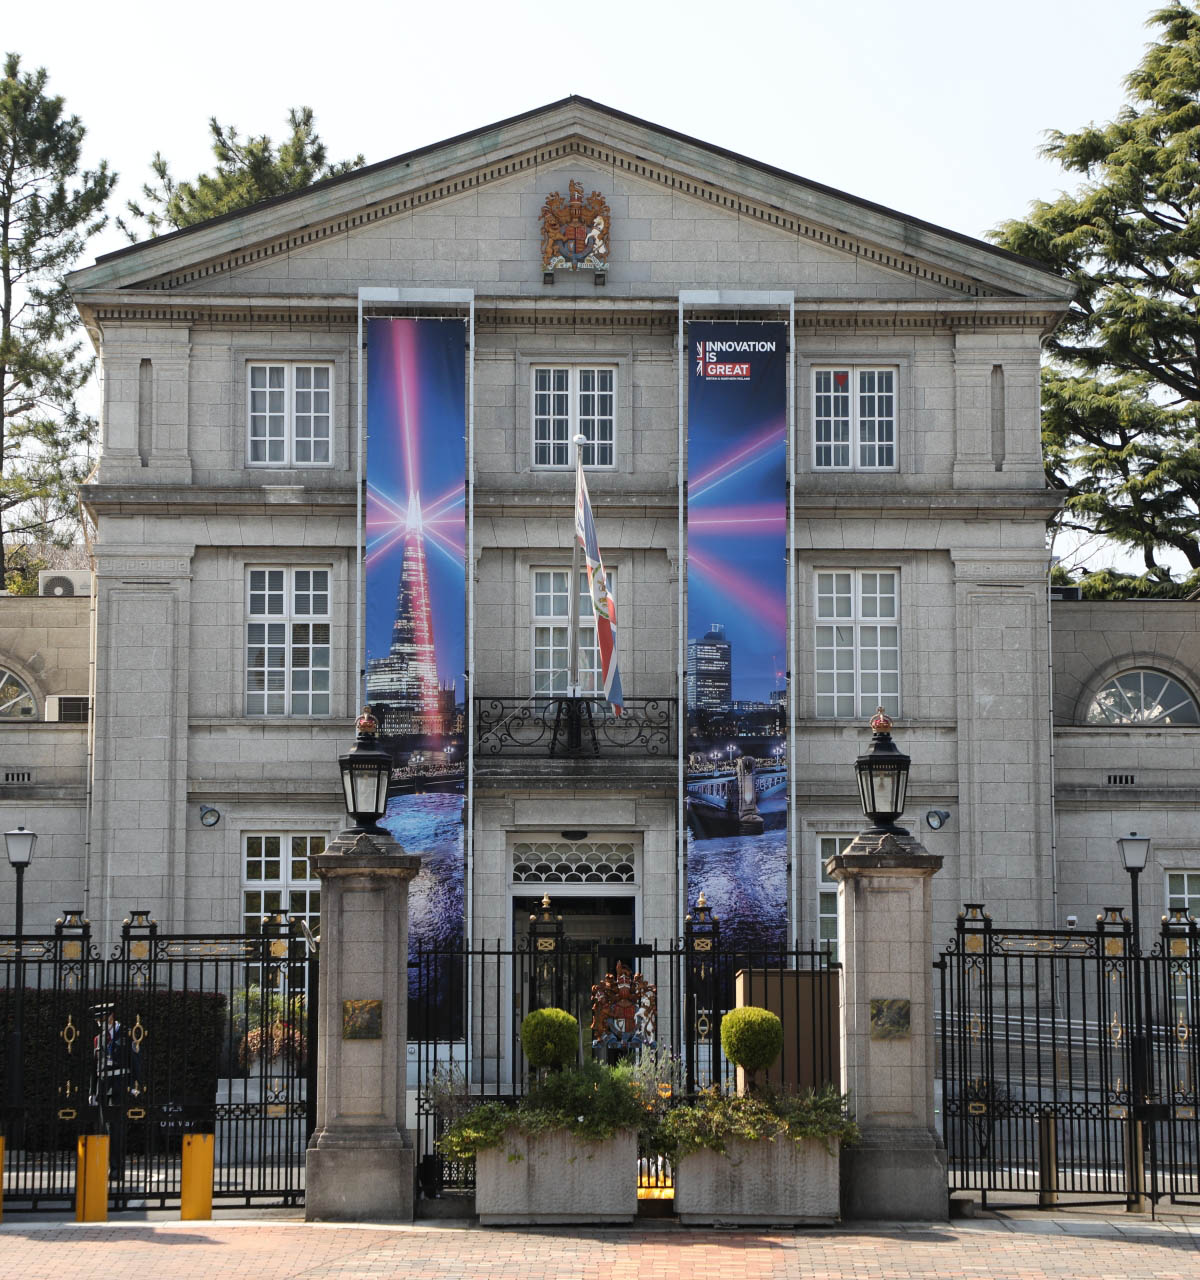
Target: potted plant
<point>270,1028</point>
<point>567,1151</point>
<point>757,1157</point>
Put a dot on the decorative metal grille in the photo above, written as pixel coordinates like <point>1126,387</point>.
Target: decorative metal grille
<point>574,862</point>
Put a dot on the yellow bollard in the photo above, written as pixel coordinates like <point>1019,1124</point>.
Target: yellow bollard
<point>196,1184</point>
<point>91,1178</point>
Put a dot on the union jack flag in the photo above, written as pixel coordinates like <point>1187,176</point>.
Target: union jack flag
<point>603,605</point>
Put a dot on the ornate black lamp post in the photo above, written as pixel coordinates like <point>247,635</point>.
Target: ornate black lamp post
<point>19,845</point>
<point>882,772</point>
<point>366,771</point>
<point>1135,851</point>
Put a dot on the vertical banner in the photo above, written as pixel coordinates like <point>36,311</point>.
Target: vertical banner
<point>415,630</point>
<point>736,762</point>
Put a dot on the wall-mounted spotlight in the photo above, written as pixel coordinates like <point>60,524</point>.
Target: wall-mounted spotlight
<point>209,815</point>
<point>936,819</point>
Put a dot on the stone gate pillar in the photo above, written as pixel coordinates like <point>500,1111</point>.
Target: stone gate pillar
<point>360,1158</point>
<point>885,915</point>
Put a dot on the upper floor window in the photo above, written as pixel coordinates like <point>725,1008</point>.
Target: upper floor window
<point>854,419</point>
<point>571,400</point>
<point>287,642</point>
<point>551,633</point>
<point>1143,697</point>
<point>290,409</point>
<point>857,642</point>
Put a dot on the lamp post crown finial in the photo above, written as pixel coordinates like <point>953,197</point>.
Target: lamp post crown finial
<point>881,722</point>
<point>366,726</point>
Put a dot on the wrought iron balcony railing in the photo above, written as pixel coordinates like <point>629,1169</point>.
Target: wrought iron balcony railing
<point>559,726</point>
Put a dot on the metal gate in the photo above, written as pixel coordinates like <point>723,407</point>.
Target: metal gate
<point>171,1034</point>
<point>467,1003</point>
<point>1069,1063</point>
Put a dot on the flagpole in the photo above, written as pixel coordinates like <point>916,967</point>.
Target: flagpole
<point>573,585</point>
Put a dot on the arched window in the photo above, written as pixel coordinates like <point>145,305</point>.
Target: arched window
<point>16,702</point>
<point>1143,697</point>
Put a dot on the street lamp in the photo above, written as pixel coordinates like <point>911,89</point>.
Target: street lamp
<point>19,845</point>
<point>882,772</point>
<point>1135,851</point>
<point>366,772</point>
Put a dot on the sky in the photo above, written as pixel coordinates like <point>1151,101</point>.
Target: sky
<point>935,108</point>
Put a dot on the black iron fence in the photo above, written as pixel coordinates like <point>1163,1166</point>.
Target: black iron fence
<point>562,726</point>
<point>1068,1063</point>
<point>467,1005</point>
<point>170,1034</point>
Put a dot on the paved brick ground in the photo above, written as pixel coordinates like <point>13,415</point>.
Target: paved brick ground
<point>1058,1249</point>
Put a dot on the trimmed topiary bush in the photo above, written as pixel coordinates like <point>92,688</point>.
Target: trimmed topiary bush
<point>751,1037</point>
<point>550,1037</point>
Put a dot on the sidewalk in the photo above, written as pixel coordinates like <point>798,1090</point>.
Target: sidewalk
<point>1017,1246</point>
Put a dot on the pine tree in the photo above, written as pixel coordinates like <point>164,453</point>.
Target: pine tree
<point>1121,398</point>
<point>48,209</point>
<point>246,172</point>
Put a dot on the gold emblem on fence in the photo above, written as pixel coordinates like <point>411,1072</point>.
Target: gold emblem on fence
<point>137,1033</point>
<point>69,1034</point>
<point>139,950</point>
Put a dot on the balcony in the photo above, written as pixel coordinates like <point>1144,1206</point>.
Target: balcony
<point>553,738</point>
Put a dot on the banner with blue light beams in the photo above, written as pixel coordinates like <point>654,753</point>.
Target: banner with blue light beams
<point>415,589</point>
<point>736,802</point>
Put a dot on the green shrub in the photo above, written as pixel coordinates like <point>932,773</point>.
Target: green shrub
<point>714,1118</point>
<point>592,1102</point>
<point>550,1037</point>
<point>753,1038</point>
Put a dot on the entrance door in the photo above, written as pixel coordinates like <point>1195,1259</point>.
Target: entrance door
<point>596,933</point>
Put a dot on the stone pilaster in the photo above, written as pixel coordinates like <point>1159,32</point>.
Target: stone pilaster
<point>885,914</point>
<point>360,1158</point>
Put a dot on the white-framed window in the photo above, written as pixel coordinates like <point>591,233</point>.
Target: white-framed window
<point>857,642</point>
<point>289,412</point>
<point>571,400</point>
<point>827,912</point>
<point>1183,890</point>
<point>287,642</point>
<point>854,418</point>
<point>551,632</point>
<point>277,876</point>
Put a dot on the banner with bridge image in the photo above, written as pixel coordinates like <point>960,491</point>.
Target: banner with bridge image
<point>736,765</point>
<point>415,556</point>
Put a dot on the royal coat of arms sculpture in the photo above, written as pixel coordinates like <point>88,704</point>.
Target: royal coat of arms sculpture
<point>575,231</point>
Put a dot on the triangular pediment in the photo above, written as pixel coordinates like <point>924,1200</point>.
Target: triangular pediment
<point>685,215</point>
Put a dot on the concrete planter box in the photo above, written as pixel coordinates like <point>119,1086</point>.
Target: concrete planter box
<point>556,1177</point>
<point>780,1183</point>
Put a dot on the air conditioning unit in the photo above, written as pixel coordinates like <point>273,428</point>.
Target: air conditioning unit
<point>68,708</point>
<point>64,582</point>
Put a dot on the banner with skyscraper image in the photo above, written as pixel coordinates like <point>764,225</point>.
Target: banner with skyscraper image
<point>736,763</point>
<point>415,591</point>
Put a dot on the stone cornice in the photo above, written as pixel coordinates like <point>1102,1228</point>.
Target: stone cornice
<point>542,502</point>
<point>338,312</point>
<point>962,504</point>
<point>178,500</point>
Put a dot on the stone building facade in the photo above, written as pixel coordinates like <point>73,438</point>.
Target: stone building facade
<point>187,512</point>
